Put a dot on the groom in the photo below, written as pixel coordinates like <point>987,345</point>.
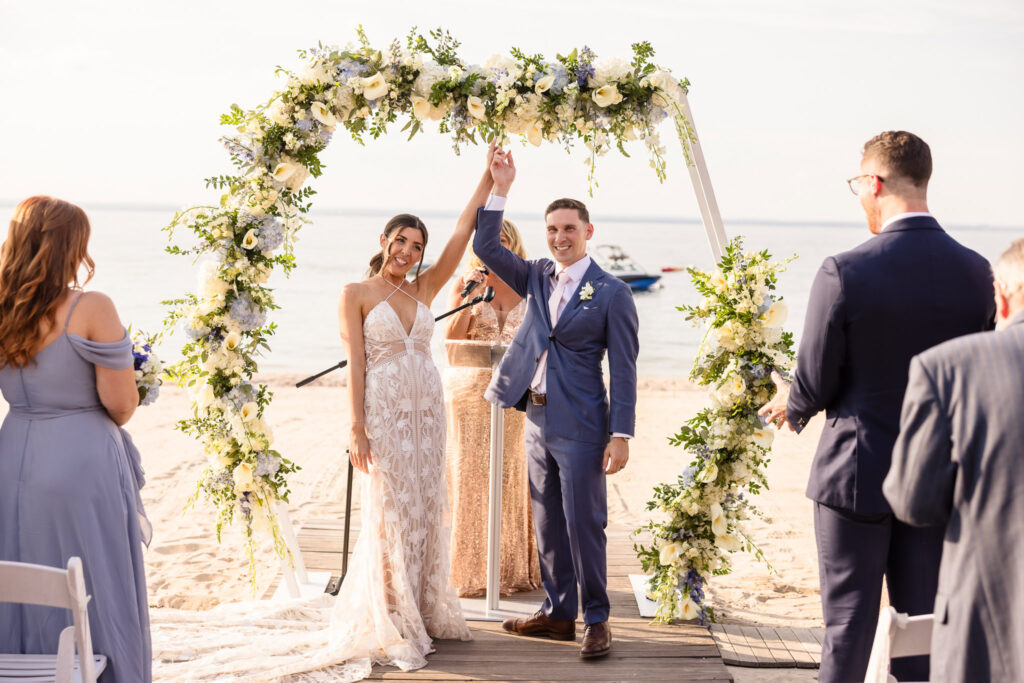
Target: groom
<point>552,370</point>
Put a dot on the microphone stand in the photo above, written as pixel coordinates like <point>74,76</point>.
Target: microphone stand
<point>334,584</point>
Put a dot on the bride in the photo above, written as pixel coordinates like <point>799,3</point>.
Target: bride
<point>396,596</point>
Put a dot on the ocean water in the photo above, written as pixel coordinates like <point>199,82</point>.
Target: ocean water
<point>131,267</point>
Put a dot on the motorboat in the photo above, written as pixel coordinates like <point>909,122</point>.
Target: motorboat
<point>613,259</point>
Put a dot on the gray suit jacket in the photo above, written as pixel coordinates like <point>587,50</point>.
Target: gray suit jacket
<point>959,462</point>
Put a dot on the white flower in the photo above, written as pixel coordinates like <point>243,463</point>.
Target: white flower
<point>728,542</point>
<point>476,107</point>
<point>420,107</point>
<point>278,113</point>
<point>430,73</point>
<point>708,474</point>
<point>663,80</point>
<point>437,112</point>
<point>232,340</point>
<point>499,62</point>
<point>719,524</point>
<point>763,437</point>
<point>544,84</point>
<point>608,70</point>
<point>688,609</point>
<point>250,240</point>
<point>587,291</point>
<point>313,73</point>
<point>535,135</point>
<point>607,95</point>
<point>374,87</point>
<point>248,411</point>
<point>243,477</point>
<point>322,114</point>
<point>455,72</point>
<point>670,552</point>
<point>284,170</point>
<point>776,315</point>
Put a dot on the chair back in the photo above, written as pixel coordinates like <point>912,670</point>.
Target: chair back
<point>897,635</point>
<point>34,584</point>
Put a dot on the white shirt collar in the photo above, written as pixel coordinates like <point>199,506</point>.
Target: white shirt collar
<point>901,216</point>
<point>577,270</point>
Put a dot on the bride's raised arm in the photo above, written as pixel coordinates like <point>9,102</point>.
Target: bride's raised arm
<point>438,274</point>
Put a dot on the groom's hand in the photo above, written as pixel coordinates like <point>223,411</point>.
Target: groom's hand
<point>774,411</point>
<point>616,453</point>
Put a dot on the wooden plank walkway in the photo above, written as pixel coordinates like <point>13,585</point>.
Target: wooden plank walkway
<point>768,646</point>
<point>640,651</point>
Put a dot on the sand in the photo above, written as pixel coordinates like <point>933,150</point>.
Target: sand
<point>187,568</point>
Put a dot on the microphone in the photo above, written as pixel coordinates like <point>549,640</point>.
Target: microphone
<point>488,294</point>
<point>471,285</point>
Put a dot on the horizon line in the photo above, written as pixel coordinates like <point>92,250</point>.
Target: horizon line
<point>619,218</point>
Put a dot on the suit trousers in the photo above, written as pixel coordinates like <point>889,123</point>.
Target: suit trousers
<point>570,513</point>
<point>854,552</point>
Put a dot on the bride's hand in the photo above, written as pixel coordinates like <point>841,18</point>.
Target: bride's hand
<point>359,449</point>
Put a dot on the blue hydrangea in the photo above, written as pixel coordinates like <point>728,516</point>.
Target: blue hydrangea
<point>560,74</point>
<point>240,395</point>
<point>348,69</point>
<point>267,465</point>
<point>271,233</point>
<point>305,124</point>
<point>246,314</point>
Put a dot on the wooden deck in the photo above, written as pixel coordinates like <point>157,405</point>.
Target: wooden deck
<point>769,647</point>
<point>640,651</point>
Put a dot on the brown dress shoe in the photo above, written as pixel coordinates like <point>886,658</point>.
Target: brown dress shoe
<point>541,625</point>
<point>597,640</point>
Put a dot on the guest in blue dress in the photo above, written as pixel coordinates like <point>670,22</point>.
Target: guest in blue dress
<point>69,475</point>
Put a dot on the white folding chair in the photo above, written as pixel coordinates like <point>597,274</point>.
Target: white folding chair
<point>34,584</point>
<point>897,635</point>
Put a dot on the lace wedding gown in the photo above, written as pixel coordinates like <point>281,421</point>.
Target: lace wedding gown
<point>396,596</point>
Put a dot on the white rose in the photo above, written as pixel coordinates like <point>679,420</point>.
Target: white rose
<point>719,524</point>
<point>243,477</point>
<point>689,610</point>
<point>322,114</point>
<point>476,107</point>
<point>248,411</point>
<point>664,80</point>
<point>312,73</point>
<point>608,69</point>
<point>374,87</point>
<point>776,315</point>
<point>499,62</point>
<point>607,95</point>
<point>204,397</point>
<point>670,552</point>
<point>534,133</point>
<point>728,542</point>
<point>278,113</point>
<point>420,108</point>
<point>544,84</point>
<point>250,240</point>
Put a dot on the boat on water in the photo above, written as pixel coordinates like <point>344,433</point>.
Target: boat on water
<point>612,258</point>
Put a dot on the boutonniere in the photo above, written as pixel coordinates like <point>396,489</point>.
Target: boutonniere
<point>587,292</point>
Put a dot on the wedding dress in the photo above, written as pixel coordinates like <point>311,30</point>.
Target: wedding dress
<point>396,596</point>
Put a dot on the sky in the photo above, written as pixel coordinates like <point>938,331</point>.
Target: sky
<point>118,102</point>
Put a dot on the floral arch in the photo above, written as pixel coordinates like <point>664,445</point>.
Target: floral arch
<point>274,148</point>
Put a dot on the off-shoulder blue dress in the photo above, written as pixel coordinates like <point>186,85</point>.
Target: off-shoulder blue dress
<point>69,486</point>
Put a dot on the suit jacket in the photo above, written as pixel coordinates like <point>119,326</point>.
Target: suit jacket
<point>871,310</point>
<point>958,462</point>
<point>578,406</point>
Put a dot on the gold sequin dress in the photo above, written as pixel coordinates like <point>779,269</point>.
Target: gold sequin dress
<point>468,459</point>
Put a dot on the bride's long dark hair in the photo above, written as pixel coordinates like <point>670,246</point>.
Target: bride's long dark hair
<point>391,230</point>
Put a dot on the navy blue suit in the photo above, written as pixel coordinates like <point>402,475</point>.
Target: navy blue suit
<point>566,438</point>
<point>871,310</point>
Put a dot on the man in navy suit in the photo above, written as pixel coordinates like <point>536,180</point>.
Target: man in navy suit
<point>872,309</point>
<point>574,434</point>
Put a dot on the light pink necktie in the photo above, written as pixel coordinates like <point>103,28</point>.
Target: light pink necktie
<point>556,303</point>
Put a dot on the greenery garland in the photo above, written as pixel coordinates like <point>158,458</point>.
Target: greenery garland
<point>275,149</point>
<point>701,513</point>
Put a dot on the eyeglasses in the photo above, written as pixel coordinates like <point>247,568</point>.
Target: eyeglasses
<point>854,182</point>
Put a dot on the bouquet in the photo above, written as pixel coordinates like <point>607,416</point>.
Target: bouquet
<point>147,368</point>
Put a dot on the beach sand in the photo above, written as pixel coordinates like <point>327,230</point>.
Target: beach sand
<point>187,568</point>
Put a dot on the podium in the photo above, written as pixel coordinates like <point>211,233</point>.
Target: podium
<point>478,354</point>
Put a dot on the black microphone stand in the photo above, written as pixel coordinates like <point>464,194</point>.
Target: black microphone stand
<point>334,584</point>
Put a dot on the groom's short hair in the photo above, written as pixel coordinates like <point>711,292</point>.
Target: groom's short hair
<point>904,154</point>
<point>566,203</point>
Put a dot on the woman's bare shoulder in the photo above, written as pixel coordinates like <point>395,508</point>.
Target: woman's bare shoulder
<point>95,317</point>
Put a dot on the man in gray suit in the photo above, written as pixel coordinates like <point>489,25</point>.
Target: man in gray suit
<point>958,463</point>
<point>871,309</point>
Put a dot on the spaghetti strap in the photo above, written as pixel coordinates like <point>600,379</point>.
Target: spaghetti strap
<point>399,289</point>
<point>71,310</point>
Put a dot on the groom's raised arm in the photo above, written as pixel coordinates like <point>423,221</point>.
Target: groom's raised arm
<point>512,269</point>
